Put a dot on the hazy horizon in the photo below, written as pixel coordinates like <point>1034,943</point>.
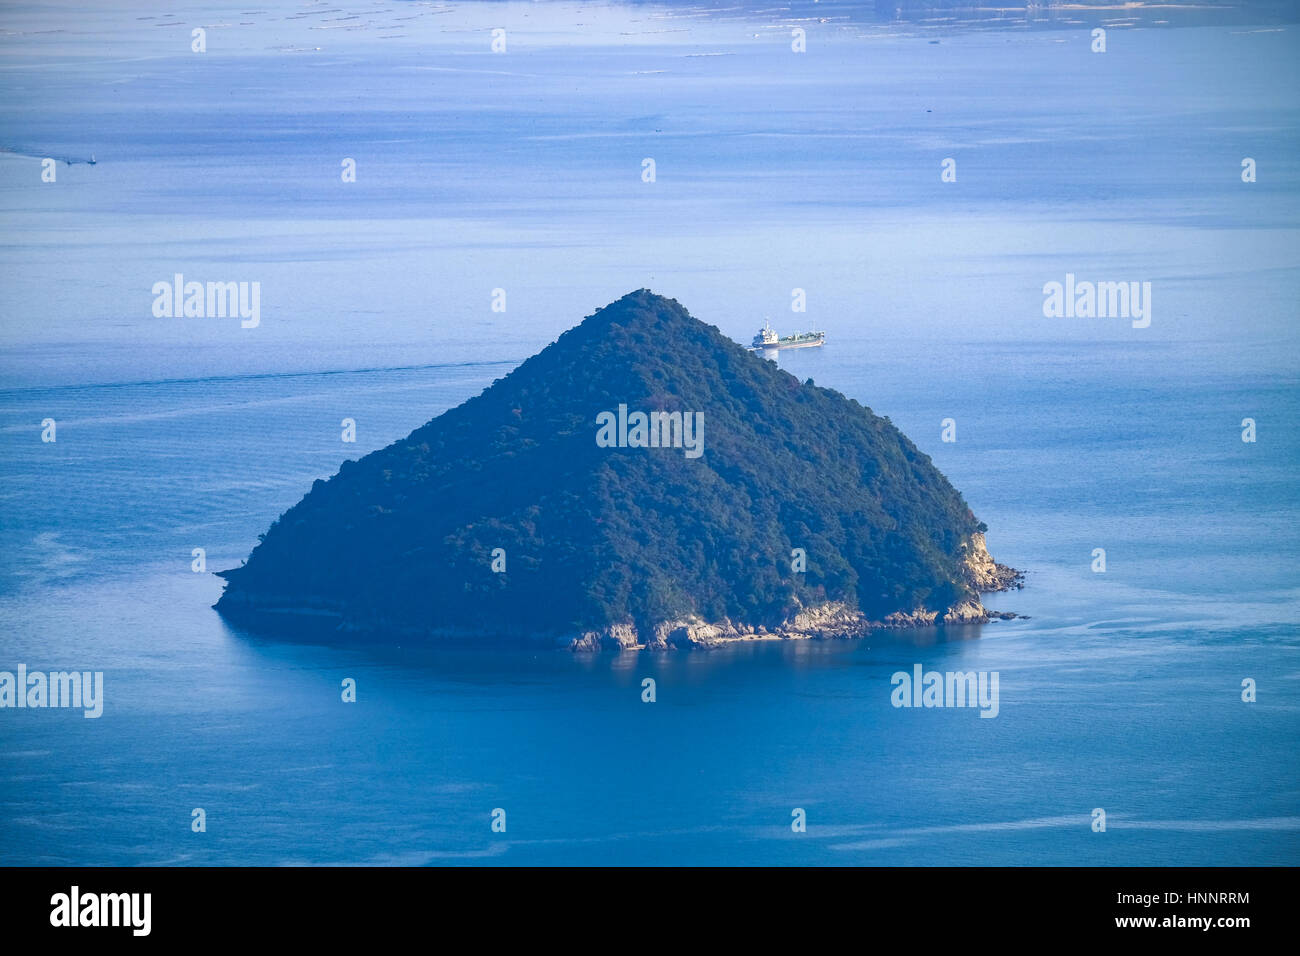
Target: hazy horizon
<point>522,171</point>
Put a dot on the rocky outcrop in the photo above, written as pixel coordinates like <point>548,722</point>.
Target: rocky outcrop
<point>614,637</point>
<point>982,573</point>
<point>833,620</point>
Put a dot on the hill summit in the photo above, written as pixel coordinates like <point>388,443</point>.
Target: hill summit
<point>643,480</point>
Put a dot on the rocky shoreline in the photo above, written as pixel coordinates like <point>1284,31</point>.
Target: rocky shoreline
<point>831,621</point>
<point>834,620</point>
<point>985,575</point>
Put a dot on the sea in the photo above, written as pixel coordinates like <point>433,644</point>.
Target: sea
<point>1144,476</point>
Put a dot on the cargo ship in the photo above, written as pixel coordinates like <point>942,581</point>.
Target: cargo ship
<point>767,339</point>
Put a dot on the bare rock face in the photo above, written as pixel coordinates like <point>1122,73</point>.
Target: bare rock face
<point>966,612</point>
<point>963,612</point>
<point>834,619</point>
<point>912,619</point>
<point>691,632</point>
<point>612,637</point>
<point>982,573</point>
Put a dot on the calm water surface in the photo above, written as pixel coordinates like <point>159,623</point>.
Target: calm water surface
<point>1121,690</point>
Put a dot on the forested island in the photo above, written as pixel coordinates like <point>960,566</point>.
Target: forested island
<point>741,504</point>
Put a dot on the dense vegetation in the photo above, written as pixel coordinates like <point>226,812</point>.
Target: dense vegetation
<point>595,536</point>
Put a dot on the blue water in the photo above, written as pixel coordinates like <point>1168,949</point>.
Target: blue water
<point>1120,690</point>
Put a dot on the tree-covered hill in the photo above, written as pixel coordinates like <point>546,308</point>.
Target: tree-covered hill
<point>594,537</point>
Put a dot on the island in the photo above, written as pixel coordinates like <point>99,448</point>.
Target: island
<point>642,482</point>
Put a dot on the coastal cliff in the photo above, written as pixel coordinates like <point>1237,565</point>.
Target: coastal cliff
<point>982,573</point>
<point>742,504</point>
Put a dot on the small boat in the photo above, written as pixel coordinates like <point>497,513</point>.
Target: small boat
<point>768,339</point>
